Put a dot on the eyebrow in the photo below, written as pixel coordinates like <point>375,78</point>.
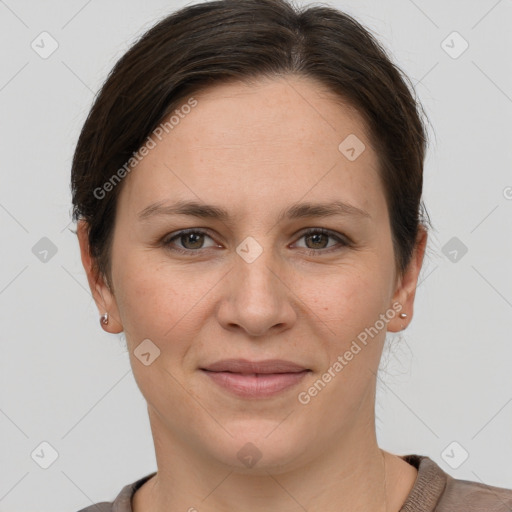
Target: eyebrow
<point>207,211</point>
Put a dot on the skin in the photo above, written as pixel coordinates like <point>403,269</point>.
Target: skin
<point>255,150</point>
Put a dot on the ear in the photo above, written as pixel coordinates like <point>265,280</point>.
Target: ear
<point>406,287</point>
<point>102,295</point>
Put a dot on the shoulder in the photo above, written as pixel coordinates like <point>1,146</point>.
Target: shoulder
<point>436,490</point>
<point>475,497</point>
<point>104,506</point>
<point>123,501</point>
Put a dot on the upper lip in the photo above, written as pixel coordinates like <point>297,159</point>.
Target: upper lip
<point>247,366</point>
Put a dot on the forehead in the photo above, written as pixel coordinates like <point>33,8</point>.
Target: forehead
<point>285,112</point>
<point>272,141</point>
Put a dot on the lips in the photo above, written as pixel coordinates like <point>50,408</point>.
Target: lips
<point>255,379</point>
<point>245,366</point>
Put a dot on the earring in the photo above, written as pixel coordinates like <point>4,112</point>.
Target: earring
<point>402,315</point>
<point>104,319</point>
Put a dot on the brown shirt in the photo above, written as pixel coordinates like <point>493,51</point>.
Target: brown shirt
<point>433,491</point>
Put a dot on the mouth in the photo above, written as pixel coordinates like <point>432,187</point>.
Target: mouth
<point>245,366</point>
<point>250,379</point>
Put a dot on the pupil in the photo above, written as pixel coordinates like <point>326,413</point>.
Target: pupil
<point>316,236</point>
<point>193,238</point>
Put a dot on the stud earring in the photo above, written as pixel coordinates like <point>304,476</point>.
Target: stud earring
<point>104,319</point>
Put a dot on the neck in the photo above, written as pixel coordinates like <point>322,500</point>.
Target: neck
<point>343,478</point>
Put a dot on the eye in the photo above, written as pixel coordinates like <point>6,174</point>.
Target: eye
<point>192,240</point>
<point>318,237</point>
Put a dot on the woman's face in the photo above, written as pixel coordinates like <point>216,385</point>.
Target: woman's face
<point>253,285</point>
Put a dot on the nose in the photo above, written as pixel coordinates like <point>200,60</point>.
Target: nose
<point>258,297</point>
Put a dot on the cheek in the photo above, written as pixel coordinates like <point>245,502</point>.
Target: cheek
<point>149,303</point>
<point>161,302</point>
<point>347,298</point>
<point>348,305</point>
<point>349,308</point>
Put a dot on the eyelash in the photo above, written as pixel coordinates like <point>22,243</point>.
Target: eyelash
<point>166,241</point>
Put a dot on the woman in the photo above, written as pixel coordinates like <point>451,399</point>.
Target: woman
<point>248,188</point>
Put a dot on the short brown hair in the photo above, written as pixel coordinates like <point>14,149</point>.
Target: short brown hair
<point>220,41</point>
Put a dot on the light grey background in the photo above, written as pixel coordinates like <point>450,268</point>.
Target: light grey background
<point>67,382</point>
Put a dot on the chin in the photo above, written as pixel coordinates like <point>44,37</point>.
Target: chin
<point>269,447</point>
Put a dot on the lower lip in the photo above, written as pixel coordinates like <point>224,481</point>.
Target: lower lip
<point>256,386</point>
